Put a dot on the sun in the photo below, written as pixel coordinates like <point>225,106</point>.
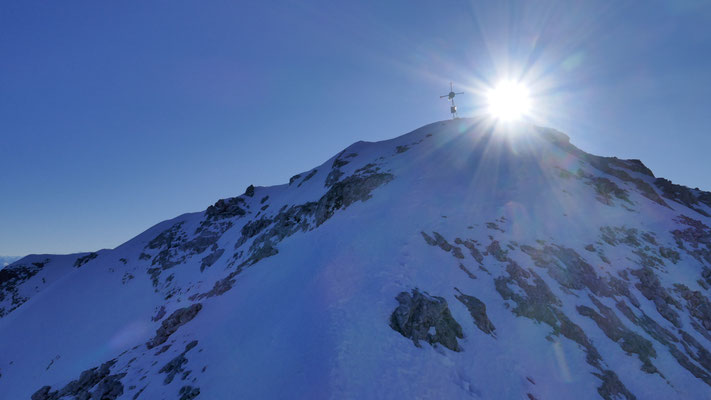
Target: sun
<point>508,101</point>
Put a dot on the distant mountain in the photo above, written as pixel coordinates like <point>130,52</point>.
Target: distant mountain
<point>454,262</point>
<point>7,260</point>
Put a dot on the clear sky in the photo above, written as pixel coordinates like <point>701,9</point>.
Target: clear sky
<point>117,115</point>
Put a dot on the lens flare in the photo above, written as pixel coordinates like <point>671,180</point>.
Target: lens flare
<point>508,101</point>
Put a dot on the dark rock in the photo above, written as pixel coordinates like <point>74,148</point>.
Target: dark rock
<point>44,394</point>
<point>189,393</point>
<point>652,289</point>
<point>333,177</point>
<point>614,329</point>
<point>220,287</point>
<point>127,277</point>
<point>226,208</point>
<point>85,259</point>
<point>338,163</point>
<point>616,235</point>
<point>612,388</point>
<point>538,303</point>
<point>568,268</point>
<point>175,366</point>
<point>307,177</point>
<point>466,271</point>
<point>211,258</point>
<point>471,245</point>
<point>698,305</point>
<point>171,324</point>
<point>250,191</point>
<point>606,189</point>
<point>110,388</point>
<point>496,251</point>
<point>477,309</point>
<point>346,192</point>
<point>175,247</point>
<point>494,226</point>
<point>669,254</point>
<point>159,315</point>
<point>442,243</point>
<point>694,240</point>
<point>683,195</point>
<point>418,314</point>
<point>11,278</point>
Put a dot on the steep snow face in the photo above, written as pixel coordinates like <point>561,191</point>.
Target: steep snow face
<point>451,262</point>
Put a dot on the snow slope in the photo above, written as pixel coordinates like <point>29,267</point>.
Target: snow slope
<point>455,261</point>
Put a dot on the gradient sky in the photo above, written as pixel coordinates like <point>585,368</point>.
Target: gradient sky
<point>117,115</point>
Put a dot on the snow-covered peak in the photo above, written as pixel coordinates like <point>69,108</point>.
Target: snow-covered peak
<point>455,261</point>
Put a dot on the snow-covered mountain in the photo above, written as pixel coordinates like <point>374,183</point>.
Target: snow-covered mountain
<point>7,260</point>
<point>455,261</point>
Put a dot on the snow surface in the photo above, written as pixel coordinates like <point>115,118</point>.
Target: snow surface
<point>312,320</point>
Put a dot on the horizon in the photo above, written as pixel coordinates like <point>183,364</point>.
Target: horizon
<point>117,118</point>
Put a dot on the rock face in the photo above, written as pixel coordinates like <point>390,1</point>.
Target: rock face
<point>171,324</point>
<point>477,309</point>
<point>10,280</point>
<point>423,317</point>
<point>691,198</point>
<point>108,387</point>
<point>176,365</point>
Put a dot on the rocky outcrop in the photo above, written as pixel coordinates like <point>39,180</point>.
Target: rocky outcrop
<point>108,387</point>
<point>699,308</point>
<point>473,250</point>
<point>422,317</point>
<point>171,324</point>
<point>266,232</point>
<point>568,268</point>
<point>402,149</point>
<point>612,388</point>
<point>307,177</point>
<point>226,208</point>
<point>614,329</point>
<point>695,240</point>
<point>211,258</point>
<point>607,189</point>
<point>175,366</point>
<point>536,301</point>
<point>85,259</point>
<point>618,168</point>
<point>651,288</point>
<point>174,246</point>
<point>249,192</point>
<point>189,392</point>
<point>11,278</point>
<point>683,195</point>
<point>477,309</point>
<point>496,251</point>
<point>219,288</point>
<point>442,243</point>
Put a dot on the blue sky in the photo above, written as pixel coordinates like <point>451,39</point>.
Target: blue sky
<point>117,115</point>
